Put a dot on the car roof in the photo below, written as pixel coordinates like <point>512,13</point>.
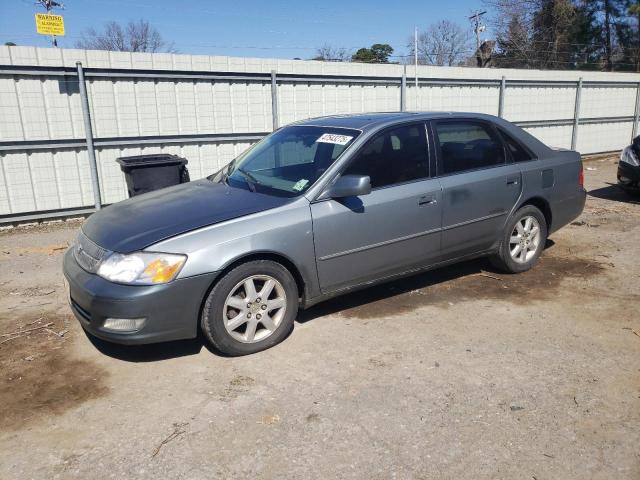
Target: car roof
<point>368,121</point>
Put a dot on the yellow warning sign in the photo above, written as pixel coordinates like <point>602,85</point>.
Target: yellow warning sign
<point>49,24</point>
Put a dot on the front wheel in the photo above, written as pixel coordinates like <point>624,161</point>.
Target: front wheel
<point>251,308</point>
<point>523,240</point>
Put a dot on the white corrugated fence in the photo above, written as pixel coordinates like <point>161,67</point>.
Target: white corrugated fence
<point>209,109</point>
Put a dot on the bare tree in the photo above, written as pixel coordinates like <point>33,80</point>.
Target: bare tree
<point>137,36</point>
<point>534,33</point>
<point>443,43</point>
<point>328,53</point>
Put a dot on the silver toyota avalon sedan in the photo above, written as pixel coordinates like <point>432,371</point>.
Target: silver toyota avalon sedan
<point>316,209</point>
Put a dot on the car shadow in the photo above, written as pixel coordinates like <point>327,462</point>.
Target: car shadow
<point>152,352</point>
<point>614,193</point>
<point>156,352</point>
<point>401,286</point>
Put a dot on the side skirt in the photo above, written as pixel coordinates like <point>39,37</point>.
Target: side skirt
<point>309,302</point>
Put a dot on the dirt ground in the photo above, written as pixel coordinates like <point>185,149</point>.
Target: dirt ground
<point>457,373</point>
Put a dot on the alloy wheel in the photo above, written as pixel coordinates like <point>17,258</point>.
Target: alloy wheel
<point>525,239</point>
<point>254,308</point>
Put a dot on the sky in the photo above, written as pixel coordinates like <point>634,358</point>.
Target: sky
<point>253,28</point>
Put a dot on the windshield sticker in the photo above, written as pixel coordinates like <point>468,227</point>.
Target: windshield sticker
<point>333,138</point>
<point>300,184</point>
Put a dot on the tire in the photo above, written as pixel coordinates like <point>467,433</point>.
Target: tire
<point>531,246</point>
<point>238,321</point>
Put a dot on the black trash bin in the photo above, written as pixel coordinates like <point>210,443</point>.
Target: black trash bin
<point>145,173</point>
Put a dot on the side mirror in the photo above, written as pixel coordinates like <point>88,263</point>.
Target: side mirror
<point>350,186</point>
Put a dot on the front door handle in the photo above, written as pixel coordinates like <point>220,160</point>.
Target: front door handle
<point>513,180</point>
<point>427,200</point>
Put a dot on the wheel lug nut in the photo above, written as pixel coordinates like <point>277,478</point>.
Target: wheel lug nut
<point>248,315</point>
<point>248,305</point>
<point>258,316</point>
<point>258,300</point>
<point>264,307</point>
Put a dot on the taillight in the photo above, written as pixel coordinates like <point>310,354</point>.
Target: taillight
<point>581,176</point>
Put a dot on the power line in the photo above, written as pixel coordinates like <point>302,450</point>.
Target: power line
<point>516,55</point>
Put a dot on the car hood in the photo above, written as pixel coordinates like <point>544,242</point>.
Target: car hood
<point>141,221</point>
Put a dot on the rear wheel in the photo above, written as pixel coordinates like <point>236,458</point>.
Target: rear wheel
<point>251,308</point>
<point>523,240</point>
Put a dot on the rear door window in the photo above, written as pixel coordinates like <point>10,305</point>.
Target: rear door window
<point>518,152</point>
<point>466,145</point>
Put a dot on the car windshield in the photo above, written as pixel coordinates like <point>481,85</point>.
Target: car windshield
<point>288,161</point>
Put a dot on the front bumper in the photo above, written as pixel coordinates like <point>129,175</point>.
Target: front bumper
<point>628,176</point>
<point>171,310</point>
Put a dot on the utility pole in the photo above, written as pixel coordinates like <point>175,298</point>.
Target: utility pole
<point>49,5</point>
<point>607,35</point>
<point>478,27</point>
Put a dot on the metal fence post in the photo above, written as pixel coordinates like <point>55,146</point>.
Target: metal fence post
<point>88,131</point>
<point>274,100</point>
<point>503,85</point>
<point>576,115</point>
<point>636,114</point>
<point>403,91</point>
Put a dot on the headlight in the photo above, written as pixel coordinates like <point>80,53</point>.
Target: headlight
<point>627,156</point>
<point>141,268</point>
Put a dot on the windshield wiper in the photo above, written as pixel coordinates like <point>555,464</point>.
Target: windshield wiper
<point>222,174</point>
<point>249,178</point>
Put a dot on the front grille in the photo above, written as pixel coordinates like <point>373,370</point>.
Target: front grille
<point>88,254</point>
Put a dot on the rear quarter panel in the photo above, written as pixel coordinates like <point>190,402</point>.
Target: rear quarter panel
<point>554,178</point>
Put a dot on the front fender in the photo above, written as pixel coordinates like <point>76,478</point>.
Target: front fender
<point>285,231</point>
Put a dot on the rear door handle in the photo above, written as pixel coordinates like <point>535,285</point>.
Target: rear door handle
<point>427,200</point>
<point>513,180</point>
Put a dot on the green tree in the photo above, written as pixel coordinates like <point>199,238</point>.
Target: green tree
<point>553,26</point>
<point>612,11</point>
<point>563,34</point>
<point>586,38</point>
<point>378,53</point>
<point>536,33</point>
<point>515,44</point>
<point>608,26</point>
